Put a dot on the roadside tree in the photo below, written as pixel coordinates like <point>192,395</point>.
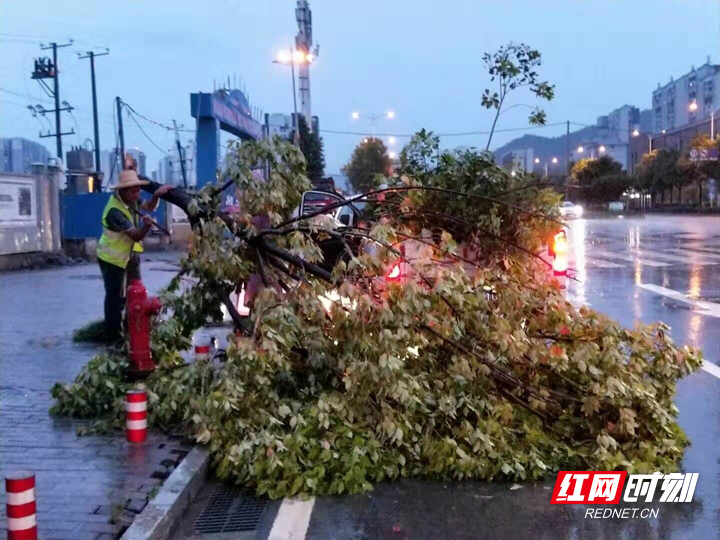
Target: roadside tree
<point>473,365</point>
<point>513,67</point>
<point>313,148</point>
<point>598,181</point>
<point>369,161</point>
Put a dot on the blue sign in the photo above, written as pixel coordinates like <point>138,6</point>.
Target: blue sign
<point>220,110</point>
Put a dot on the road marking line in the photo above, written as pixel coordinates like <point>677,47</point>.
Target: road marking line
<point>611,256</point>
<point>712,369</point>
<point>687,259</point>
<point>704,254</point>
<point>293,520</point>
<point>705,308</point>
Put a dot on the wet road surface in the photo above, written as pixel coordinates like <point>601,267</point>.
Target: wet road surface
<point>659,268</point>
<point>82,483</point>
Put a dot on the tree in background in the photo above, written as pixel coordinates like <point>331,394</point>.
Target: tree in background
<point>313,148</point>
<point>598,180</point>
<point>513,66</point>
<point>369,159</point>
<point>658,172</point>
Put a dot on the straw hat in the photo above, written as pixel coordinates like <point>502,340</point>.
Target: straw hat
<point>127,179</point>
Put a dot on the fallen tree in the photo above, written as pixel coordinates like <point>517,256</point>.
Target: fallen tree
<point>473,366</point>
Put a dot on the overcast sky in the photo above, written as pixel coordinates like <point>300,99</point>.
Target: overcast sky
<point>420,58</point>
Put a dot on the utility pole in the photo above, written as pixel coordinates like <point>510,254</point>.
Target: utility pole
<point>180,155</point>
<point>44,69</point>
<point>91,55</point>
<point>121,134</point>
<point>567,159</point>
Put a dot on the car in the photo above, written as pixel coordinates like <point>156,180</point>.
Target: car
<point>571,210</point>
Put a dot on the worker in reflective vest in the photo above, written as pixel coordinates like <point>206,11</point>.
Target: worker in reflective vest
<point>120,244</point>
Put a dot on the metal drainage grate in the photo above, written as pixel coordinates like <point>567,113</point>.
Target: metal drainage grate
<point>231,509</point>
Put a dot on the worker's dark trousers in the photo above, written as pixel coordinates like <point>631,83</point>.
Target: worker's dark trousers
<point>114,280</point>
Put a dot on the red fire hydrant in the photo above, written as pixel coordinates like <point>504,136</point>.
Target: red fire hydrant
<point>139,311</point>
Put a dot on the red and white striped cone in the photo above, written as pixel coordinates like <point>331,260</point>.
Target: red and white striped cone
<point>202,353</point>
<point>21,520</point>
<point>136,416</point>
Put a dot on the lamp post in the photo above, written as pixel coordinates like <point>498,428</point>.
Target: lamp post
<point>554,161</point>
<point>636,133</point>
<point>694,107</point>
<point>374,118</point>
<point>293,57</point>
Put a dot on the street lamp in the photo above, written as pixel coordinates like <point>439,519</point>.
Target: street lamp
<point>293,57</point>
<point>392,140</point>
<point>391,155</point>
<point>636,133</point>
<point>601,149</point>
<point>537,160</point>
<point>554,160</point>
<point>373,117</point>
<point>693,106</point>
<point>580,149</point>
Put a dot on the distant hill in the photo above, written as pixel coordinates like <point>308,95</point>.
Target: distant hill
<point>547,148</point>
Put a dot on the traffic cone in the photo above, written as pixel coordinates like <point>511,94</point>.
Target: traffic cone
<point>136,416</point>
<point>21,509</point>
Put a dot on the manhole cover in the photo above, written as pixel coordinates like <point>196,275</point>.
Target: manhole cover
<point>87,276</point>
<point>230,509</point>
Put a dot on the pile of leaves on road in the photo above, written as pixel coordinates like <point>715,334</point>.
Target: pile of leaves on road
<point>473,365</point>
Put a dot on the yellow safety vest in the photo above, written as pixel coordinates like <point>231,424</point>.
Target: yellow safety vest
<point>116,247</point>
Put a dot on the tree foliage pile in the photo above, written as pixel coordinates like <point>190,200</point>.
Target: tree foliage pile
<point>472,366</point>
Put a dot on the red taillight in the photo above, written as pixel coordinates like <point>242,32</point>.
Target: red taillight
<point>560,243</point>
<point>394,273</point>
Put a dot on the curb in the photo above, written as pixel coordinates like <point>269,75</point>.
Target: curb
<point>157,520</point>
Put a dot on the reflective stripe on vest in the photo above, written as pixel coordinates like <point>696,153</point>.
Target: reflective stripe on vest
<point>115,247</point>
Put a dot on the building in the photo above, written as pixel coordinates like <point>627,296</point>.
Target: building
<point>519,160</point>
<point>139,156</point>
<point>280,124</point>
<point>688,100</point>
<point>110,166</point>
<point>613,136</point>
<point>170,170</point>
<point>18,154</point>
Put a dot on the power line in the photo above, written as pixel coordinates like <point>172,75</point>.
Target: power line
<point>143,132</point>
<point>461,134</point>
<point>49,101</point>
<point>25,36</point>
<point>168,128</point>
<point>28,96</point>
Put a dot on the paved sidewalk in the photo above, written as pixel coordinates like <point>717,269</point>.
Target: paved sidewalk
<point>88,488</point>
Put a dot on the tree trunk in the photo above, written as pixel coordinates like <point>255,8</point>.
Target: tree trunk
<point>700,203</point>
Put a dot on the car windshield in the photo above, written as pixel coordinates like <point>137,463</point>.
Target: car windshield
<point>568,204</point>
